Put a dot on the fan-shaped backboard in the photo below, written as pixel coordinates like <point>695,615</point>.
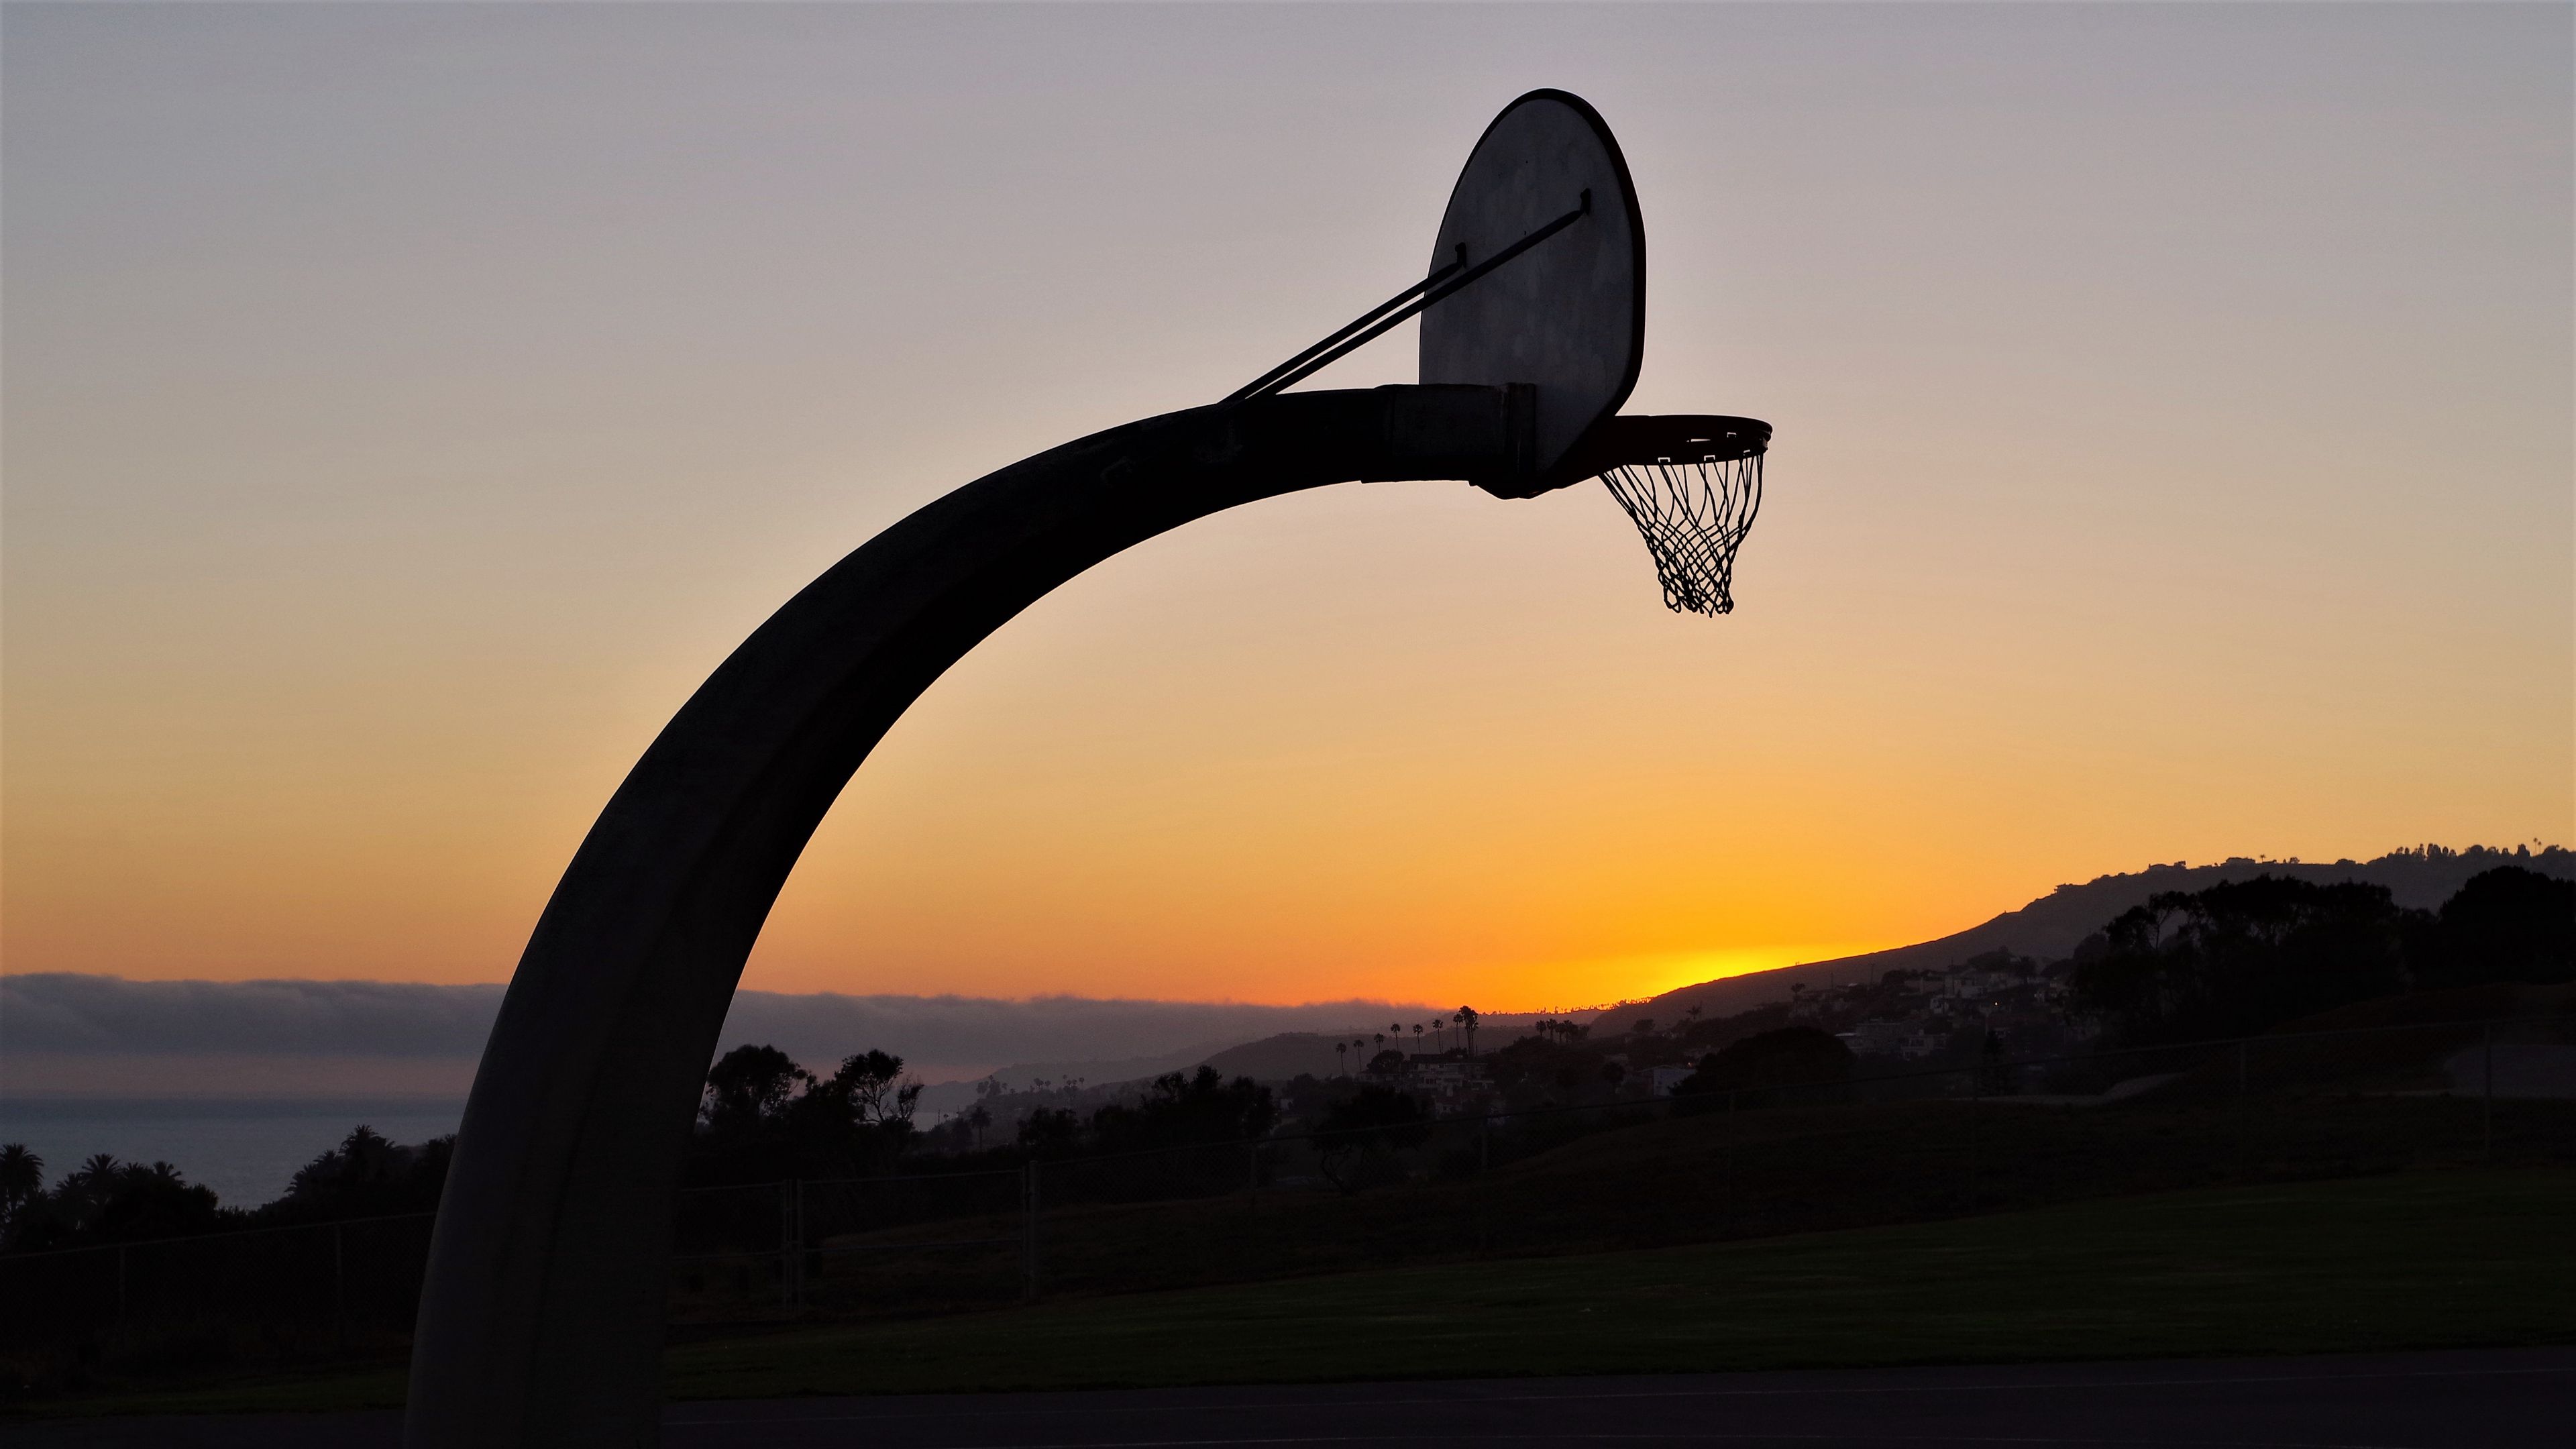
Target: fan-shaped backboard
<point>1567,316</point>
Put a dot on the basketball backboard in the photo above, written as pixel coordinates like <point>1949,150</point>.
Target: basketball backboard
<point>1568,314</point>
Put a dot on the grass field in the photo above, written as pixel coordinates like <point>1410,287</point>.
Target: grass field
<point>1656,1184</point>
<point>2422,1260</point>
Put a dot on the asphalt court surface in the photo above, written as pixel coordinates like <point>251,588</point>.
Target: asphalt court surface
<point>2488,1399</point>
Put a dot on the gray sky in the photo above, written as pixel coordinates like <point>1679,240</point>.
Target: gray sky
<point>407,405</point>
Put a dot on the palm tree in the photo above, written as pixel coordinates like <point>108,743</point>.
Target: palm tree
<point>1467,1024</point>
<point>87,1187</point>
<point>22,1179</point>
<point>1342,1049</point>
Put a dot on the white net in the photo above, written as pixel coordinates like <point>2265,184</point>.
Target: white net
<point>1692,513</point>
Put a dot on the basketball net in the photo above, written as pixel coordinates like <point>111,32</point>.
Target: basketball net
<point>1692,514</point>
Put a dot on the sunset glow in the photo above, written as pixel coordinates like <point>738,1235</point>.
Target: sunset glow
<point>383,471</point>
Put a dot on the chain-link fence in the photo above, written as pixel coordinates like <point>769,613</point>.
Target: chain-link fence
<point>283,1296</point>
<point>1884,1143</point>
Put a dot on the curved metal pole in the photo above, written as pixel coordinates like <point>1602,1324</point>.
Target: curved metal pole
<point>541,1318</point>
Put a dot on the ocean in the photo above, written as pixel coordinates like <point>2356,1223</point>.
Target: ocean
<point>246,1149</point>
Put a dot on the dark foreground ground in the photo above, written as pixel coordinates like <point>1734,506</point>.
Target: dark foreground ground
<point>2402,1263</point>
<point>2491,1399</point>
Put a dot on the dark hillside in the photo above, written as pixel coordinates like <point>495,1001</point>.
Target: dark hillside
<point>1758,1173</point>
<point>2398,1044</point>
<point>2050,928</point>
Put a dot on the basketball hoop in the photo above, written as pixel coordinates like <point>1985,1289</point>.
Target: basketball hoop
<point>1691,484</point>
<point>1537,288</point>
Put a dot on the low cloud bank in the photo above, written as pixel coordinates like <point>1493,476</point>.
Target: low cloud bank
<point>58,1029</point>
<point>61,1012</point>
<point>977,1033</point>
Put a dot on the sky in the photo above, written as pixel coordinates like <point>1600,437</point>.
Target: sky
<point>407,406</point>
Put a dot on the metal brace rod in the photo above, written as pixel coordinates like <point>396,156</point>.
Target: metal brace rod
<point>1374,323</point>
<point>1270,381</point>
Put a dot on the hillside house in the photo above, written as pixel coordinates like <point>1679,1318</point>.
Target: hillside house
<point>1447,1083</point>
<point>1660,1081</point>
<point>1884,1038</point>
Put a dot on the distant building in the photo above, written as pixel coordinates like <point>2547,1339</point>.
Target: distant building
<point>1660,1081</point>
<point>1449,1084</point>
<point>1878,1038</point>
<point>1881,1037</point>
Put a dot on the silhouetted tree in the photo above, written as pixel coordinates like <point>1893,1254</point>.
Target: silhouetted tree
<point>1542,1067</point>
<point>763,1117</point>
<point>1359,1132</point>
<point>748,1086</point>
<point>22,1181</point>
<point>873,1084</point>
<point>857,1120</point>
<point>1994,1077</point>
<point>1177,1111</point>
<point>366,1176</point>
<point>104,1201</point>
<point>1757,1068</point>
<point>2243,956</point>
<point>1050,1132</point>
<point>153,1202</point>
<point>2504,925</point>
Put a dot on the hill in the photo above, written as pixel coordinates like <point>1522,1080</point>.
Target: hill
<point>1278,1058</point>
<point>2049,929</point>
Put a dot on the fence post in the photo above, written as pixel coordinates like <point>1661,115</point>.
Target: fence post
<point>1732,1165</point>
<point>1029,1232</point>
<point>1252,1167</point>
<point>2486,1108</point>
<point>1976,1098</point>
<point>1485,1141</point>
<point>786,1246</point>
<point>339,1289</point>
<point>120,1285</point>
<point>2244,1110</point>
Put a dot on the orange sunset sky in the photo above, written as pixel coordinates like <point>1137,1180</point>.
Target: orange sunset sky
<point>407,406</point>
